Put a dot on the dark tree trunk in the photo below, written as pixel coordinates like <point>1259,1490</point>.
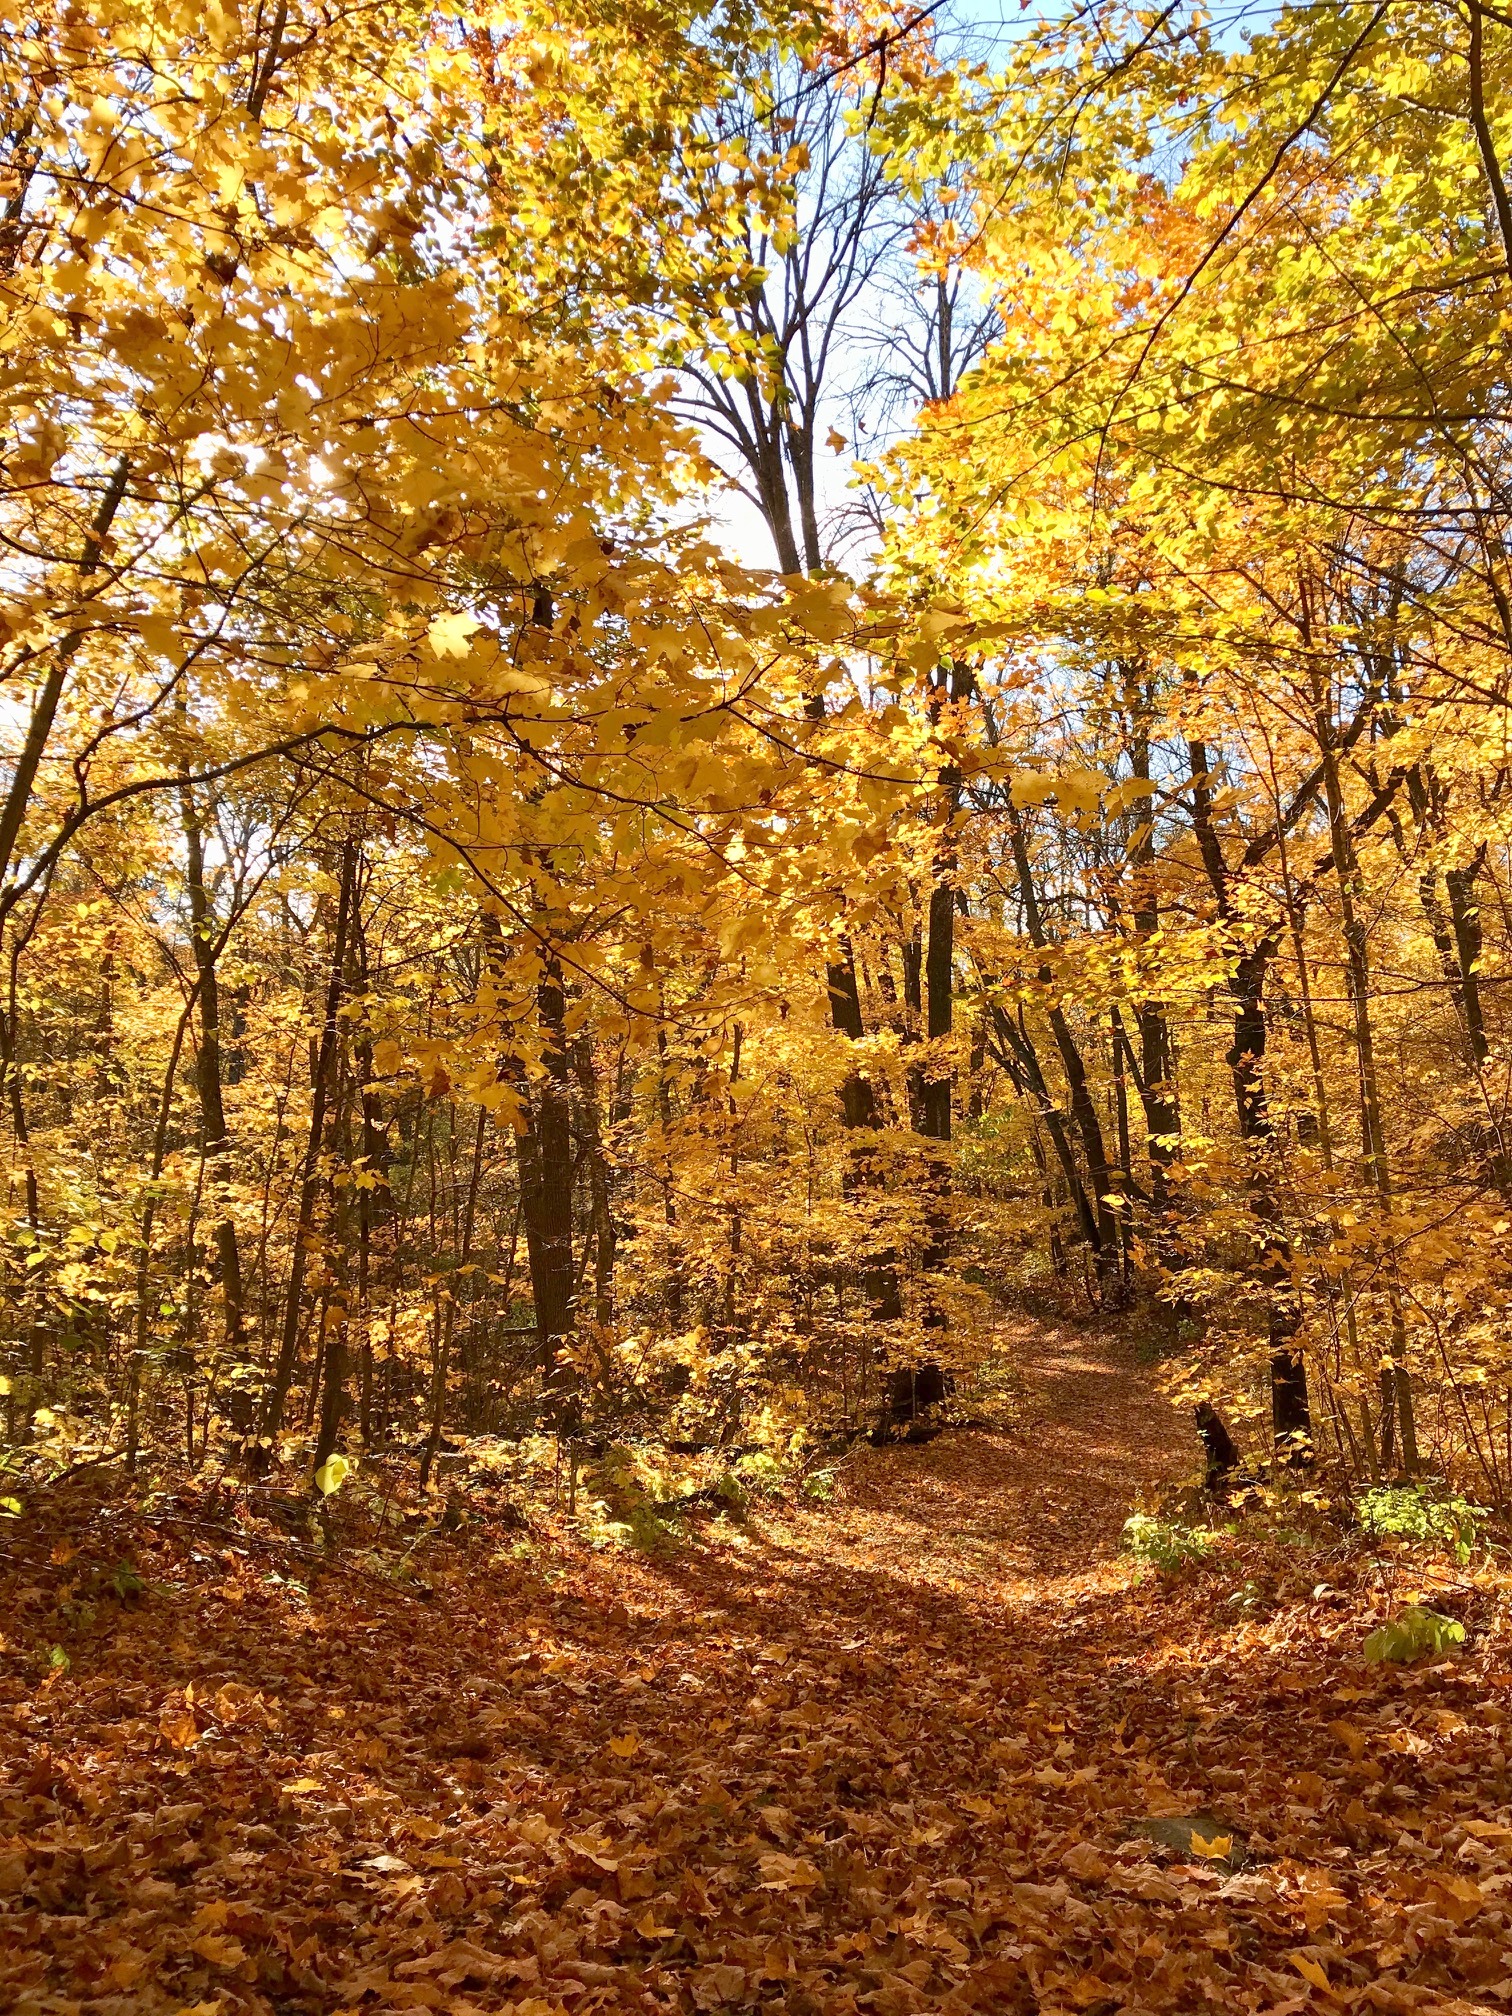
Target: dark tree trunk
<point>1016,1053</point>
<point>1083,1107</point>
<point>916,1388</point>
<point>1291,1411</point>
<point>1464,913</point>
<point>912,950</point>
<point>372,1195</point>
<point>320,1099</point>
<point>669,1199</point>
<point>442,1368</point>
<point>941,1004</point>
<point>1218,1446</point>
<point>858,1099</point>
<point>601,1220</point>
<point>1157,1067</point>
<point>545,1151</point>
<point>1396,1383</point>
<point>204,938</point>
<point>337,1313</point>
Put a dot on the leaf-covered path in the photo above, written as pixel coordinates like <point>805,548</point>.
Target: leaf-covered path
<point>880,1755</point>
<point>1031,1517</point>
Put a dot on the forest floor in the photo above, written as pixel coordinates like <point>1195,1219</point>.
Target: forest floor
<point>880,1754</point>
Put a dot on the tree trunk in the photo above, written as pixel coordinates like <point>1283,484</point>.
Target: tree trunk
<point>925,1385</point>
<point>336,1311</point>
<point>50,693</point>
<point>442,1368</point>
<point>1397,1408</point>
<point>1465,916</point>
<point>1157,1070</point>
<point>737,1220</point>
<point>1291,1412</point>
<point>142,1326</point>
<point>601,1218</point>
<point>669,1198</point>
<point>912,950</point>
<point>545,1151</point>
<point>1083,1107</point>
<point>374,1184</point>
<point>1014,1051</point>
<point>323,1077</point>
<point>207,1076</point>
<point>858,1101</point>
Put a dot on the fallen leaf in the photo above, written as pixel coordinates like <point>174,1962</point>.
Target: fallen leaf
<point>219,1949</point>
<point>1082,1860</point>
<point>1310,1970</point>
<point>1459,1899</point>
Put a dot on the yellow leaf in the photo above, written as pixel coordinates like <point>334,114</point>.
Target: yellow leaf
<point>302,1785</point>
<point>1458,1898</point>
<point>331,1475</point>
<point>1216,1849</point>
<point>1031,787</point>
<point>594,1848</point>
<point>220,1949</point>
<point>1310,1970</point>
<point>448,635</point>
<point>1079,790</point>
<point>626,1745</point>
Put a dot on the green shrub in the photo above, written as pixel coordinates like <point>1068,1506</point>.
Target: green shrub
<point>125,1582</point>
<point>1415,1632</point>
<point>1416,1512</point>
<point>1165,1545</point>
<point>618,1507</point>
<point>760,1472</point>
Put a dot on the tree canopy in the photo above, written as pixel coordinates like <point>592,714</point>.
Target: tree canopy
<point>488,954</point>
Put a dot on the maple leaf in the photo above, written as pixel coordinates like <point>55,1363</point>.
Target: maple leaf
<point>219,1949</point>
<point>449,635</point>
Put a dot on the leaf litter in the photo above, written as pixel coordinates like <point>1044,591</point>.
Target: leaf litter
<point>935,1745</point>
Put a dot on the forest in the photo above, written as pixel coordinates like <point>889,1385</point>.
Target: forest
<point>755,861</point>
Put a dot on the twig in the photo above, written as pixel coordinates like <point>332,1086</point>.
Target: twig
<point>878,48</point>
<point>73,1470</point>
<point>311,1556</point>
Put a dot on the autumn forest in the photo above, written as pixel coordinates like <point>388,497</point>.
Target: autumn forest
<point>755,1117</point>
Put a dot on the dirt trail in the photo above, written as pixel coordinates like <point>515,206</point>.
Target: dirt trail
<point>1035,1513</point>
<point>880,1756</point>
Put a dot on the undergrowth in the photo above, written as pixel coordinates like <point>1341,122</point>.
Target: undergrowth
<point>1427,1513</point>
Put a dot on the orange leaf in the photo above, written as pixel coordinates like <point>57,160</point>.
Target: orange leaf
<point>220,1949</point>
<point>1458,1898</point>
